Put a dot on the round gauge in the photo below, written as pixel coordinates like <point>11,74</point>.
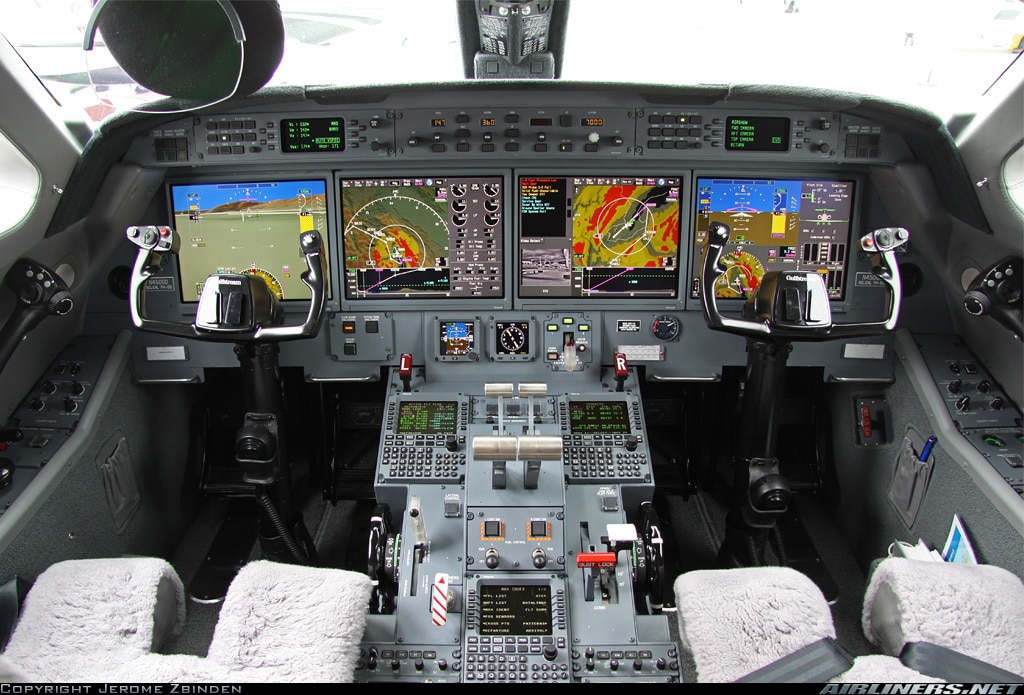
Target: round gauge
<point>665,327</point>
<point>272,282</point>
<point>512,339</point>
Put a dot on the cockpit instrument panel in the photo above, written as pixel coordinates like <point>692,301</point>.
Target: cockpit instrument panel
<point>777,224</point>
<point>423,237</point>
<point>599,237</point>
<point>247,227</point>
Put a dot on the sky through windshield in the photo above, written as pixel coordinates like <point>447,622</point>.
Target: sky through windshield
<point>939,54</point>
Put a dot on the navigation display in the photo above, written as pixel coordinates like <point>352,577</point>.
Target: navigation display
<point>777,224</point>
<point>247,227</point>
<point>423,238</point>
<point>603,237</point>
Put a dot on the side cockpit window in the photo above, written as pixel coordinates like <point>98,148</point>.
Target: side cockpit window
<point>19,186</point>
<point>1013,178</point>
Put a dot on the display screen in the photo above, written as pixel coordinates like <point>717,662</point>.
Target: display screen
<point>599,237</point>
<point>513,337</point>
<point>598,417</point>
<point>423,237</point>
<point>427,417</point>
<point>777,224</point>
<point>456,338</point>
<point>247,227</point>
<point>515,609</point>
<point>299,135</point>
<point>757,133</point>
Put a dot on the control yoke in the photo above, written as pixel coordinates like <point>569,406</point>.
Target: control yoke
<point>997,292</point>
<point>40,292</point>
<point>232,307</point>
<point>794,304</point>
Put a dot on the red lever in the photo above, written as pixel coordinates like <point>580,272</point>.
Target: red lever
<point>405,371</point>
<point>601,560</point>
<point>621,370</point>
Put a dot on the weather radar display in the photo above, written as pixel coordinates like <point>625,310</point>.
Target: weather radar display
<point>599,237</point>
<point>247,227</point>
<point>422,237</point>
<point>775,225</point>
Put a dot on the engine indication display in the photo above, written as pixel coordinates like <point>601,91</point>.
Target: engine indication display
<point>422,237</point>
<point>599,237</point>
<point>777,224</point>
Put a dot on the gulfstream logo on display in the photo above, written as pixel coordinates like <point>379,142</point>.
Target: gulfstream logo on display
<point>921,689</point>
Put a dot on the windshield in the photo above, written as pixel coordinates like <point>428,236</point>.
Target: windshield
<point>941,55</point>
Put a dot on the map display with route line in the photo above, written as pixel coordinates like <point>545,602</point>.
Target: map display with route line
<point>403,229</point>
<point>599,236</point>
<point>625,226</point>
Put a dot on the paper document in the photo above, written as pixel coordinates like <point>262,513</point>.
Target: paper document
<point>958,545</point>
<point>921,551</point>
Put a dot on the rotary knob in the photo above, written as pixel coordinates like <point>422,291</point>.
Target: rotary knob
<point>61,303</point>
<point>977,303</point>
